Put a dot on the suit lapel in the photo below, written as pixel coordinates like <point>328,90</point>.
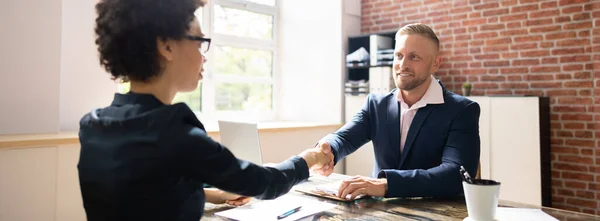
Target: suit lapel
<point>414,129</point>
<point>393,115</point>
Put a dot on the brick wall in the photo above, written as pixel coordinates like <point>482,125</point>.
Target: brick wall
<point>534,47</point>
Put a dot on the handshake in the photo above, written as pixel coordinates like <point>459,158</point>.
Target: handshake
<point>319,159</point>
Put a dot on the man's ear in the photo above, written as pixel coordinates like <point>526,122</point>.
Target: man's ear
<point>164,48</point>
<point>436,63</point>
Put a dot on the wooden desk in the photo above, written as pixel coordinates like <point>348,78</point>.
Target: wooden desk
<point>376,209</point>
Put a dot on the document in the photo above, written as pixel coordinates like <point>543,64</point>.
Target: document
<point>284,208</point>
<point>522,214</point>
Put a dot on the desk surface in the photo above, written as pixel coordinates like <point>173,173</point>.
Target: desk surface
<point>375,209</point>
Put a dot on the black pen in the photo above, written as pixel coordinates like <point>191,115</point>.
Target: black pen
<point>465,175</point>
<point>288,213</point>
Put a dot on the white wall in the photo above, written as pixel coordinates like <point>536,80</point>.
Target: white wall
<point>84,84</point>
<point>310,46</point>
<point>49,70</point>
<point>29,66</point>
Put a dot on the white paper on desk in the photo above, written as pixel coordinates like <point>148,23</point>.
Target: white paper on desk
<point>269,209</point>
<point>522,214</point>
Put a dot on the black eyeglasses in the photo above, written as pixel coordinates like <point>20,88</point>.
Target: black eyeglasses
<point>204,42</point>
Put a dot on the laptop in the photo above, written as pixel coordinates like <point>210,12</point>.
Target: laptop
<point>242,140</point>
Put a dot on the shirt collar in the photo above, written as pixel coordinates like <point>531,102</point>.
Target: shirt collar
<point>433,95</point>
<point>135,98</point>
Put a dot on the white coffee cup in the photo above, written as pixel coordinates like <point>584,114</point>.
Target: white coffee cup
<point>482,199</point>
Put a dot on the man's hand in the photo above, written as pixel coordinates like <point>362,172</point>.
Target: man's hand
<point>316,159</point>
<point>327,169</point>
<point>360,185</point>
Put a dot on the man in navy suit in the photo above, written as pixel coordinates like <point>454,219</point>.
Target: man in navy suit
<point>421,132</point>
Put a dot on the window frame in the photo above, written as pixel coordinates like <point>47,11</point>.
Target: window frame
<point>208,93</point>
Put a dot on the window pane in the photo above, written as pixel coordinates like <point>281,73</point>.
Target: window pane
<point>264,2</point>
<point>243,97</point>
<point>243,23</point>
<point>243,61</point>
<point>193,98</point>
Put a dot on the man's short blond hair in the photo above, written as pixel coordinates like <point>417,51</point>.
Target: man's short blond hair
<point>419,29</point>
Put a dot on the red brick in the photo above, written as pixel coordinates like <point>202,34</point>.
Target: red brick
<point>568,150</point>
<point>545,13</point>
<point>510,55</point>
<point>572,67</point>
<point>584,134</point>
<point>486,85</point>
<point>545,69</point>
<point>581,16</point>
<point>568,51</point>
<point>498,41</point>
<point>497,48</point>
<point>499,92</point>
<point>545,29</point>
<point>575,58</point>
<point>561,35</point>
<point>565,134</point>
<point>486,6</point>
<point>531,38</point>
<point>547,44</point>
<point>513,25</point>
<point>457,10</point>
<point>581,143</point>
<point>583,75</point>
<point>514,70</point>
<point>473,22</point>
<point>460,65</point>
<point>525,62</point>
<point>485,35</point>
<point>572,9</point>
<point>562,19</point>
<point>524,46</point>
<point>492,78</point>
<point>583,203</point>
<point>514,78</point>
<point>575,100</point>
<point>492,27</point>
<point>578,25</point>
<point>563,76</point>
<point>535,54</point>
<point>585,194</point>
<point>546,84</point>
<point>514,85</point>
<point>496,63</point>
<point>474,71</point>
<point>579,84</point>
<point>565,192</point>
<point>524,8</point>
<point>475,14</point>
<point>549,60</point>
<point>574,126</point>
<point>538,22</point>
<point>578,176</point>
<point>513,17</point>
<point>495,12</point>
<point>475,65</point>
<point>570,167</point>
<point>577,117</point>
<point>513,32</point>
<point>549,5</point>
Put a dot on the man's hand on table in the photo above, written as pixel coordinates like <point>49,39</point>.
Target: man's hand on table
<point>360,185</point>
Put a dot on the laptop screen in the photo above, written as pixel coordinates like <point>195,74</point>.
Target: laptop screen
<point>242,140</point>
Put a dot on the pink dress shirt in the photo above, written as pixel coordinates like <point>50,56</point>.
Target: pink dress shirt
<point>433,95</point>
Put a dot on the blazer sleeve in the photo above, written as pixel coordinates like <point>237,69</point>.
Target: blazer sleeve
<point>353,134</point>
<point>462,148</point>
<point>207,161</point>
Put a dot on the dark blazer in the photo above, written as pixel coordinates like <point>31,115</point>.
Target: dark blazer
<point>143,160</point>
<point>441,138</point>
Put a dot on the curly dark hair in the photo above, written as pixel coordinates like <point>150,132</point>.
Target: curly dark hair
<point>126,33</point>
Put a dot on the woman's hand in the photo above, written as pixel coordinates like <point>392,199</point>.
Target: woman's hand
<point>217,196</point>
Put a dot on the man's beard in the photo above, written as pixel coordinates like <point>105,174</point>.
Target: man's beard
<point>412,84</point>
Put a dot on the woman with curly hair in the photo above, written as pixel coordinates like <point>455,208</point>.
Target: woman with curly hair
<point>144,158</point>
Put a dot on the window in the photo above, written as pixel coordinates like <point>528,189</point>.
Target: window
<point>240,77</point>
<point>240,74</point>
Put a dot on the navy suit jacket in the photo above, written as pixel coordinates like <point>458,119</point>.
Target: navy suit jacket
<point>441,138</point>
